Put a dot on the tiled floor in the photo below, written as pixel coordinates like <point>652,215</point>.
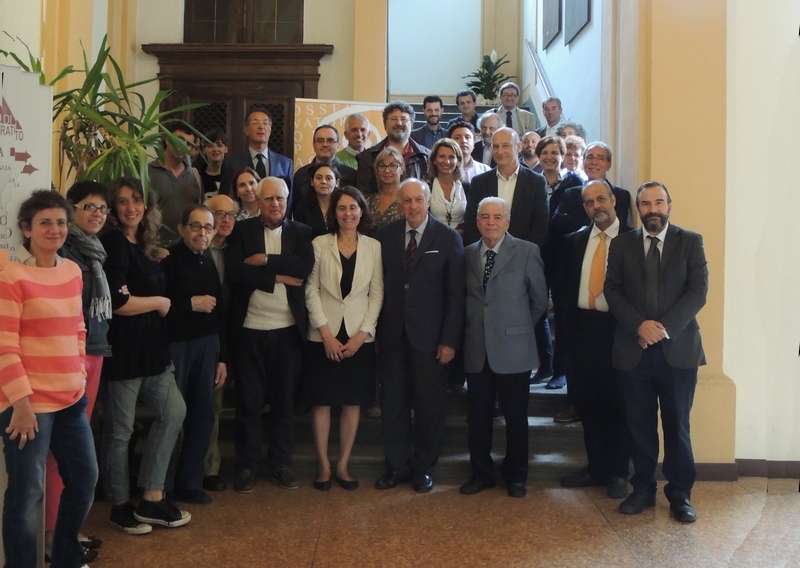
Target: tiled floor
<point>753,522</point>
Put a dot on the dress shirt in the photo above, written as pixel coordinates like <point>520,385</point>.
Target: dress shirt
<point>487,153</point>
<point>25,257</point>
<point>419,230</point>
<point>455,207</point>
<point>474,168</point>
<point>506,186</point>
<point>495,248</point>
<point>586,268</point>
<point>660,236</point>
<point>254,160</point>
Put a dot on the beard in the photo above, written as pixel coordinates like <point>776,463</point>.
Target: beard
<point>655,222</point>
<point>399,136</point>
<point>600,216</point>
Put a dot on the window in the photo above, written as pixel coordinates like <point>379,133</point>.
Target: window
<point>243,21</point>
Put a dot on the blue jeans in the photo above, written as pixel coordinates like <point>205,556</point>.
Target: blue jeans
<point>160,394</point>
<point>67,434</point>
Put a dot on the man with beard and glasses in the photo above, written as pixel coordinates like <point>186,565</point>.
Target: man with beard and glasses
<point>588,338</point>
<point>487,124</point>
<point>656,283</point>
<point>398,118</point>
<point>432,131</point>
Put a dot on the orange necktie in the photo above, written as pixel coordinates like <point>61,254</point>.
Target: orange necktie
<point>597,275</point>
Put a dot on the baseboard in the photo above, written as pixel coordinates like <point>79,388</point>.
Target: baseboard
<point>767,468</point>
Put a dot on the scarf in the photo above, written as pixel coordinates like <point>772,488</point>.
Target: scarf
<point>92,250</point>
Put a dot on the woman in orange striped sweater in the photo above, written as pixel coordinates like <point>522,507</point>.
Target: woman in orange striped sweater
<point>42,381</point>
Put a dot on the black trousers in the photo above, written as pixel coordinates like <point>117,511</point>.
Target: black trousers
<point>597,394</point>
<point>266,362</point>
<point>412,379</point>
<point>512,390</point>
<point>653,384</point>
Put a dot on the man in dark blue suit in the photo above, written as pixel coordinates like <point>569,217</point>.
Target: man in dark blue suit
<point>588,329</point>
<point>257,129</point>
<point>267,262</point>
<point>656,282</point>
<point>418,331</point>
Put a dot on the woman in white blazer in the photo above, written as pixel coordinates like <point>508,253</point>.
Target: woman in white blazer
<point>344,295</point>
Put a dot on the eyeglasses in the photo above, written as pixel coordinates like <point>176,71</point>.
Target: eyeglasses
<point>329,141</point>
<point>197,227</point>
<point>590,157</point>
<point>394,166</point>
<point>91,208</point>
<point>220,214</point>
<point>259,123</point>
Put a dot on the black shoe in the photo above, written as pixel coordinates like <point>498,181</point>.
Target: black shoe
<point>569,414</point>
<point>557,382</point>
<point>683,511</point>
<point>635,504</point>
<point>195,496</point>
<point>323,485</point>
<point>90,542</point>
<point>580,479</point>
<point>390,480</point>
<point>422,482</point>
<point>346,484</point>
<point>475,486</point>
<point>122,518</point>
<point>617,488</point>
<point>161,513</point>
<point>285,477</point>
<point>244,482</point>
<point>540,376</point>
<point>516,490</point>
<point>89,555</point>
<point>214,483</point>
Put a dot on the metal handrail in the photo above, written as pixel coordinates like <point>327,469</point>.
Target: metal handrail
<point>537,63</point>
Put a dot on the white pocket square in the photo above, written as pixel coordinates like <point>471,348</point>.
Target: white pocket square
<point>431,251</point>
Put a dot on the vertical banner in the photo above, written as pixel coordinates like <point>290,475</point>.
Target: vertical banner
<point>26,124</point>
<point>311,113</point>
<point>26,110</point>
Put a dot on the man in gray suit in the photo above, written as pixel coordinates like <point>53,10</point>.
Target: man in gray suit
<point>506,296</point>
<point>656,282</point>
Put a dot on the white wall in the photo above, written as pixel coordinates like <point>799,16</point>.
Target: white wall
<point>20,18</point>
<point>332,22</point>
<point>578,84</point>
<point>762,255</point>
<point>432,45</point>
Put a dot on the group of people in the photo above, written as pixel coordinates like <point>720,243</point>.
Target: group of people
<point>396,266</point>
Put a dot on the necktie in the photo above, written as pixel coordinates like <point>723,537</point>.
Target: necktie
<point>597,274</point>
<point>261,168</point>
<point>509,122</point>
<point>487,269</point>
<point>652,262</point>
<point>411,249</point>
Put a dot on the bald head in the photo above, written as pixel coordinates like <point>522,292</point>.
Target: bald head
<point>225,210</point>
<point>599,202</point>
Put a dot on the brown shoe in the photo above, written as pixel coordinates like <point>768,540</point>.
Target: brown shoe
<point>569,414</point>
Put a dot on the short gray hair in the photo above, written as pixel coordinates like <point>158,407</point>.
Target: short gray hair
<point>425,188</point>
<point>498,200</point>
<point>356,116</point>
<point>490,113</point>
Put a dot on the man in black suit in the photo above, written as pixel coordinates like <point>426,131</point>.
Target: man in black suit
<point>326,145</point>
<point>589,335</point>
<point>266,264</point>
<point>521,187</point>
<point>656,282</point>
<point>418,331</point>
<point>551,109</point>
<point>257,129</point>
<point>398,119</point>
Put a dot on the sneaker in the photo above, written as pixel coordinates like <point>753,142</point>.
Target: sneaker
<point>244,481</point>
<point>285,477</point>
<point>122,517</point>
<point>161,513</point>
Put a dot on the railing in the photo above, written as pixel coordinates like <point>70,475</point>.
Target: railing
<point>540,72</point>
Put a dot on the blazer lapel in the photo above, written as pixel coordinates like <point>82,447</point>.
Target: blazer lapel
<point>360,274</point>
<point>422,243</point>
<point>639,250</point>
<point>476,261</point>
<point>505,254</point>
<point>670,244</point>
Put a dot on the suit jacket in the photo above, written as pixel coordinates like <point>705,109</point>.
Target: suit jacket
<point>570,215</point>
<point>529,213</point>
<point>527,121</point>
<point>500,321</point>
<point>302,180</point>
<point>477,154</point>
<point>416,167</point>
<point>682,289</point>
<point>570,267</point>
<point>296,259</point>
<point>279,166</point>
<point>324,301</point>
<point>427,300</point>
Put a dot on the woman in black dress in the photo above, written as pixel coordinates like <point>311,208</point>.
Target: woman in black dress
<point>312,207</point>
<point>344,295</point>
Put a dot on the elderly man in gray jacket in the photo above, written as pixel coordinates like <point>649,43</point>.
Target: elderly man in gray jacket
<point>506,296</point>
